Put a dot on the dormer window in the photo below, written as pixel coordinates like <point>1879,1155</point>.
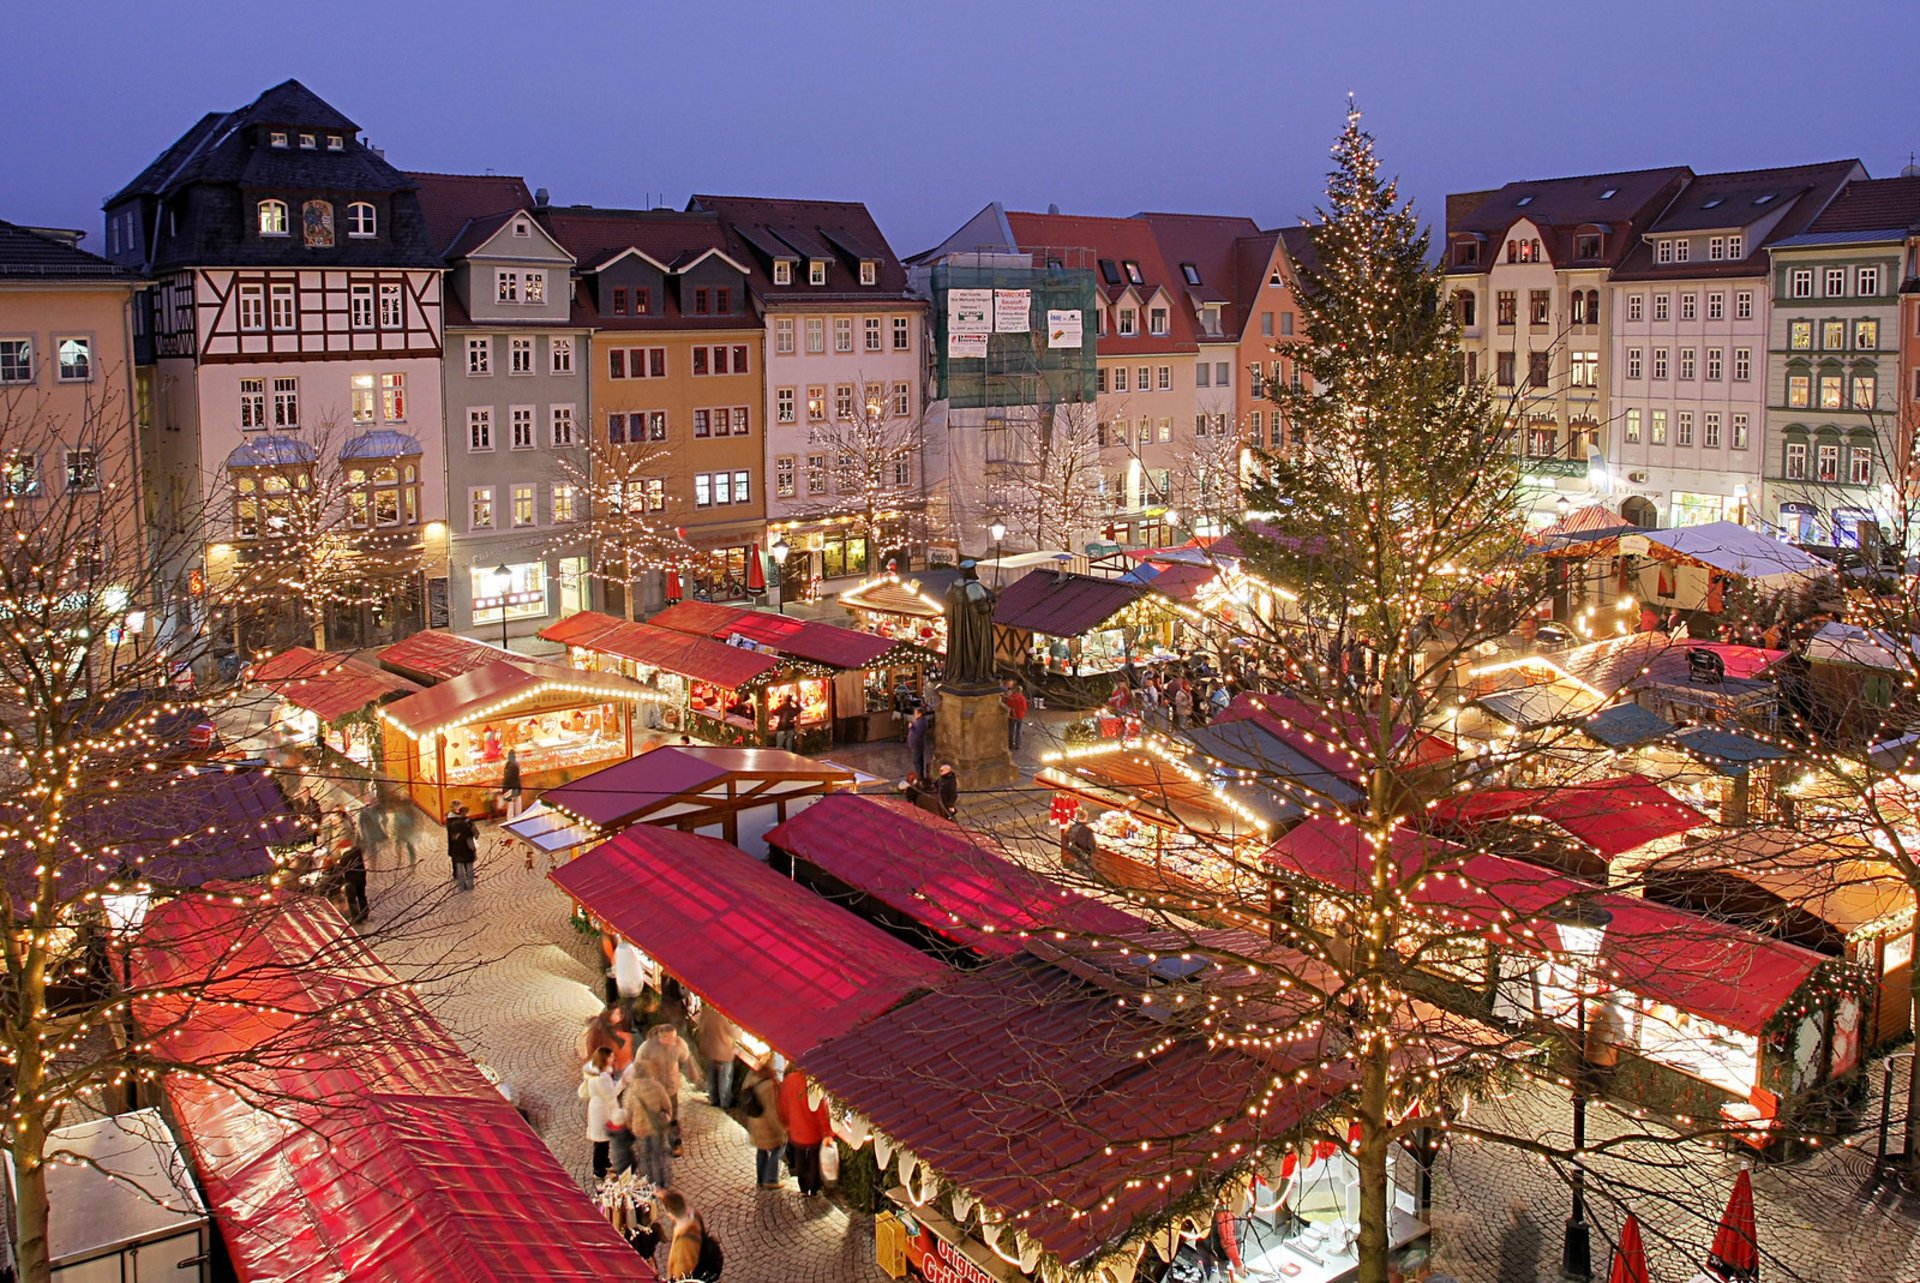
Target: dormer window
<point>273,218</point>
<point>869,271</point>
<point>362,222</point>
<point>1523,251</point>
<point>783,273</point>
<point>308,142</point>
<point>1465,254</point>
<point>1191,273</point>
<point>336,143</point>
<point>1133,272</point>
<point>278,138</point>
<point>816,271</point>
<point>520,227</point>
<point>1157,320</point>
<point>1586,245</point>
<point>1127,325</point>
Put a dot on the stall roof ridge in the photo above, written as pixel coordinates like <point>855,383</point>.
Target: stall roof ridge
<point>1062,604</point>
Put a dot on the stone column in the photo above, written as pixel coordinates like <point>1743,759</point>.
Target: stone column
<point>970,731</point>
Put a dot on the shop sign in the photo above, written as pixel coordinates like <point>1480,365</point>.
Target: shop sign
<point>1634,545</point>
<point>1010,311</point>
<point>947,1264</point>
<point>1065,328</point>
<point>969,312</point>
<point>511,599</point>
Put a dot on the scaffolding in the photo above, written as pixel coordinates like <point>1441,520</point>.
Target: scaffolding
<point>1020,371</point>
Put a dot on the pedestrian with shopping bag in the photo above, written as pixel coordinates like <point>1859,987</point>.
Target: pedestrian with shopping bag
<point>664,1055</point>
<point>808,1127</point>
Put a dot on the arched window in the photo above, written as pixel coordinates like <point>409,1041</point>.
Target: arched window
<point>361,220</point>
<point>1578,303</point>
<point>273,218</point>
<point>1593,307</point>
<point>1469,308</point>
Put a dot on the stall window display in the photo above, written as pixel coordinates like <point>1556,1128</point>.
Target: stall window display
<point>1102,651</point>
<point>557,740</point>
<point>354,740</point>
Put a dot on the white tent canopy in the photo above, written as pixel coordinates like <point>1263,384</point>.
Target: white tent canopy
<point>1736,550</point>
<point>1862,647</point>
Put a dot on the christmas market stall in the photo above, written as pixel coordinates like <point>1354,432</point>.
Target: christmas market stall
<point>367,1141</point>
<point>1604,830</point>
<point>956,893</point>
<point>121,1204</point>
<point>449,742</point>
<point>904,607</point>
<point>787,967</point>
<point>709,688</point>
<point>853,698</point>
<point>1078,627</point>
<point>328,700</point>
<point>1697,1012</point>
<point>733,793</point>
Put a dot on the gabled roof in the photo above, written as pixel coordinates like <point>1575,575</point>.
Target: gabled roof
<point>1612,816</point>
<point>670,240</point>
<point>1253,256</point>
<point>327,685</point>
<point>1739,199</point>
<point>1045,601</point>
<point>1625,202</point>
<point>1872,205</point>
<point>452,201</point>
<point>1119,241</point>
<point>764,229</point>
<point>1209,242</point>
<point>29,255</point>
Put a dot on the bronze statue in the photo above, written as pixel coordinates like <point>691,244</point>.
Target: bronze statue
<point>969,630</point>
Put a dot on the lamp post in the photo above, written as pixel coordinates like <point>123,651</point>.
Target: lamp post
<point>500,579</point>
<point>781,550</point>
<point>1562,506</point>
<point>999,532</point>
<point>1582,927</point>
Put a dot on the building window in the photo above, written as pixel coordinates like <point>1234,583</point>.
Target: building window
<point>1800,336</point>
<point>280,307</point>
<point>563,500</point>
<point>560,355</point>
<point>1686,363</point>
<point>1736,246</point>
<point>1636,306</point>
<point>519,356</point>
<point>1119,378</point>
<point>278,138</point>
<point>1682,250</point>
<point>742,487</point>
<point>1866,281</point>
<point>902,334</point>
<point>480,427</point>
<point>1633,427</point>
<point>816,271</point>
<point>479,355</point>
<point>843,401</point>
<point>816,403</point>
<point>391,308</point>
<point>843,334</point>
<point>783,272</point>
<point>1689,306</point>
<point>783,336</point>
<point>1164,431</point>
<point>783,408</point>
<point>272,219</point>
<point>1539,307</point>
<point>1860,465</point>
<point>480,508</point>
<point>360,307</point>
<point>560,424</point>
<point>253,404</point>
<point>1539,369</point>
<point>1836,282</point>
<point>21,470</point>
<point>1164,378</point>
<point>1503,365</point>
<point>1663,251</point>
<point>1743,305</point>
<point>362,396</point>
<point>816,474</point>
<point>1506,307</point>
<point>506,286</point>
<point>1716,306</point>
<point>1866,387</point>
<point>75,359</point>
<point>1800,283</point>
<point>1827,463</point>
<point>1739,441</point>
<point>1683,428</point>
<point>1586,370</point>
<point>1128,323</point>
<point>703,489</point>
<point>1662,306</point>
<point>902,400</point>
<point>253,308</point>
<point>1866,336</point>
<point>619,300</point>
<point>702,421</point>
<point>520,427</point>
<point>1657,427</point>
<point>286,402</point>
<point>1830,398</point>
<point>1659,363</point>
<point>1833,335</point>
<point>83,470</point>
<point>1796,461</point>
<point>1716,248</point>
<point>1742,364</point>
<point>1716,363</point>
<point>875,336</point>
<point>1710,429</point>
<point>1586,245</point>
<point>361,220</point>
<point>524,510</point>
<point>1799,391</point>
<point>700,302</point>
<point>783,476</point>
<point>1157,320</point>
<point>869,271</point>
<point>816,335</point>
<point>1634,363</point>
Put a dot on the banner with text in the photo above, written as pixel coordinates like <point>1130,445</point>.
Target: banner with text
<point>1064,328</point>
<point>969,312</point>
<point>1011,309</point>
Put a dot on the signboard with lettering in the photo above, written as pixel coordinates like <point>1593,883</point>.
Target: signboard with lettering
<point>1010,311</point>
<point>969,312</point>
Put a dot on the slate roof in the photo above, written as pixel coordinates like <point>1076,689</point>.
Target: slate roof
<point>1872,205</point>
<point>1558,206</point>
<point>1117,240</point>
<point>26,254</point>
<point>671,238</point>
<point>761,229</point>
<point>451,201</point>
<point>1728,201</point>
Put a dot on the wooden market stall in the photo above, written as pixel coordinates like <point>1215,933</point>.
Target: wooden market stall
<point>449,742</point>
<point>1604,830</point>
<point>904,608</point>
<point>1077,626</point>
<point>853,699</point>
<point>328,700</point>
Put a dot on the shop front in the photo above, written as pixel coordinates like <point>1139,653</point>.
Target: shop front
<point>328,700</point>
<point>450,741</point>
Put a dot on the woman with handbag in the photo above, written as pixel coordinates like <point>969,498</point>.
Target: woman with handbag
<point>760,1102</point>
<point>601,1090</point>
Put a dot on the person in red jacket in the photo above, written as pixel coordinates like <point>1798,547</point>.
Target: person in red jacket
<point>807,1129</point>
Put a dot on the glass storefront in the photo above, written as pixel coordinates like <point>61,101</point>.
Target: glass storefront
<point>1697,509</point>
<point>525,598</point>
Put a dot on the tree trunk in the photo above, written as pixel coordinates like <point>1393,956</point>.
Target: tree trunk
<point>1910,1131</point>
<point>1374,1241</point>
<point>34,1250</point>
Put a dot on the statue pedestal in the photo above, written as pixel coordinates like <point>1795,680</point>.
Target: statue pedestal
<point>970,731</point>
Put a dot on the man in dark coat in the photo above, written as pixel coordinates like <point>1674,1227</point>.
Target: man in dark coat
<point>352,868</point>
<point>462,844</point>
<point>917,741</point>
<point>948,787</point>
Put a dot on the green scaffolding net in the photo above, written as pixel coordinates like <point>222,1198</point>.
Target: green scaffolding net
<point>985,359</point>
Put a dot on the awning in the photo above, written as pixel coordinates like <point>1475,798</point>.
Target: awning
<point>1063,605</point>
<point>696,657</point>
<point>328,686</point>
<point>777,959</point>
<point>921,596</point>
<point>1612,816</point>
<point>957,884</point>
<point>378,1156</point>
<point>691,785</point>
<point>435,657</point>
<point>503,686</point>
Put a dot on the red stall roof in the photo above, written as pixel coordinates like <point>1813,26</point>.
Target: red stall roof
<point>329,686</point>
<point>807,639</point>
<point>502,685</point>
<point>776,958</point>
<point>1046,601</point>
<point>679,652</point>
<point>672,784</point>
<point>1021,1080</point>
<point>1710,968</point>
<point>435,657</point>
<point>384,1155</point>
<point>1328,740</point>
<point>580,629</point>
<point>702,618</point>
<point>1613,816</point>
<point>962,885</point>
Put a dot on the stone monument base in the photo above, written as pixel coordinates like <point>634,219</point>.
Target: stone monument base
<point>970,731</point>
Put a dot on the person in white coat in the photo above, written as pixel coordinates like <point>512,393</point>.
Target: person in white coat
<point>600,1088</point>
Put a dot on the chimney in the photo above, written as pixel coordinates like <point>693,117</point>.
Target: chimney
<point>1060,565</point>
<point>540,197</point>
<point>1053,207</point>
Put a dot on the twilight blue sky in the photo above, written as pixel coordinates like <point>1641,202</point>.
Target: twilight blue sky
<point>928,111</point>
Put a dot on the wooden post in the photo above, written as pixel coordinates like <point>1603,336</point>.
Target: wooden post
<point>626,725</point>
<point>440,782</point>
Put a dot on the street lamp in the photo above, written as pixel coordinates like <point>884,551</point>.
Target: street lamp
<point>500,580</point>
<point>999,532</point>
<point>1562,506</point>
<point>781,550</point>
<point>1582,927</point>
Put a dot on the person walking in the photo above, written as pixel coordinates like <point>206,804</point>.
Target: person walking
<point>665,1056</point>
<point>1016,701</point>
<point>718,1046</point>
<point>760,1101</point>
<point>353,882</point>
<point>601,1090</point>
<point>510,785</point>
<point>948,787</point>
<point>608,1029</point>
<point>808,1127</point>
<point>649,1114</point>
<point>1182,700</point>
<point>786,722</point>
<point>1078,844</point>
<point>689,1241</point>
<point>917,741</point>
<point>462,845</point>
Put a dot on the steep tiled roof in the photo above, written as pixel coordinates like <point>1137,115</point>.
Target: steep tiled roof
<point>761,229</point>
<point>451,201</point>
<point>670,238</point>
<point>1118,241</point>
<point>27,254</point>
<point>1873,205</point>
<point>1623,202</point>
<point>1208,242</point>
<point>1739,199</point>
<point>1251,255</point>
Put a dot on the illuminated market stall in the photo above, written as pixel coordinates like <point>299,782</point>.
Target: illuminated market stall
<point>1604,830</point>
<point>1077,626</point>
<point>904,608</point>
<point>329,700</point>
<point>449,742</point>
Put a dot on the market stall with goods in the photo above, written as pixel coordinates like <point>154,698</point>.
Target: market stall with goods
<point>1076,626</point>
<point>904,607</point>
<point>328,700</point>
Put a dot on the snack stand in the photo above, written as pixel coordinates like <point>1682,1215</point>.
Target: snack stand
<point>329,700</point>
<point>904,608</point>
<point>449,742</point>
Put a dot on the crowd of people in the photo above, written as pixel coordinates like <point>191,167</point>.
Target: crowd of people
<point>1174,695</point>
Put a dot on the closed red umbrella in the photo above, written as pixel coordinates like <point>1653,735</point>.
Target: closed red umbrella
<point>674,591</point>
<point>756,570</point>
<point>1630,1256</point>
<point>1735,1255</point>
